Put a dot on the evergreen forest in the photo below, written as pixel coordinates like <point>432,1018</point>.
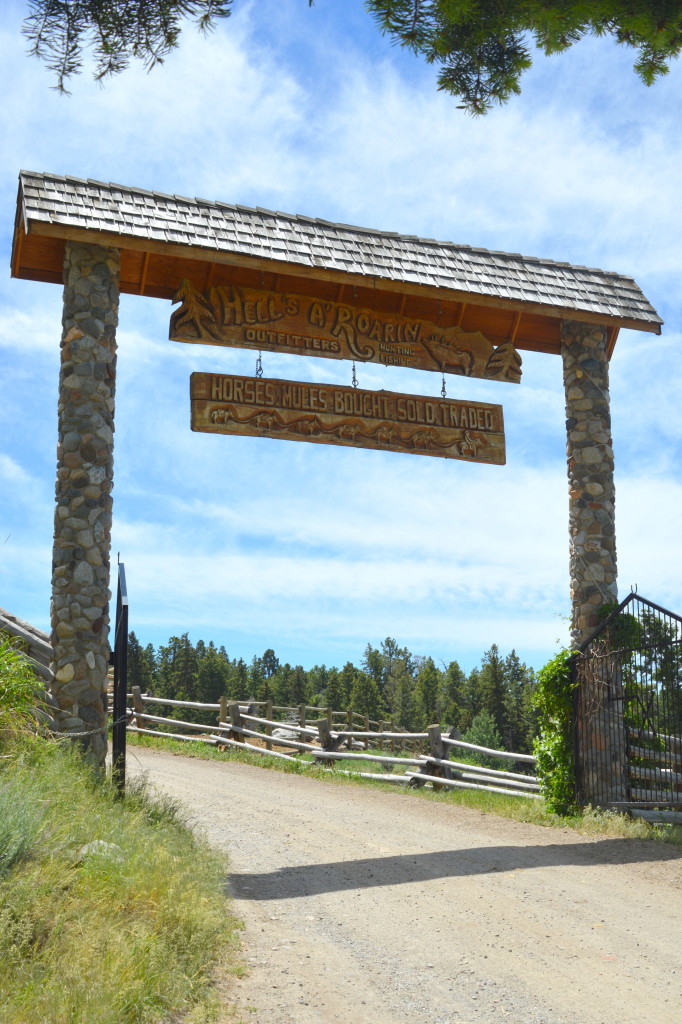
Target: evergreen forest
<point>491,706</point>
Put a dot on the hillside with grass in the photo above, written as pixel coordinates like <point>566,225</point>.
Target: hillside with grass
<point>112,911</point>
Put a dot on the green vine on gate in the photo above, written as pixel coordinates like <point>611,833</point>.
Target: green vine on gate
<point>553,747</point>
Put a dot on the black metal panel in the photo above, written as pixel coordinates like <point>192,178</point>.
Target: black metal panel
<point>630,670</point>
<point>120,663</point>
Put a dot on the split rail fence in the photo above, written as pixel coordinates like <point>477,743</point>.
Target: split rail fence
<point>335,738</point>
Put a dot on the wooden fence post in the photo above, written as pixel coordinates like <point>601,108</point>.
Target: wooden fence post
<point>366,730</point>
<point>349,717</point>
<point>437,749</point>
<point>301,715</point>
<point>235,719</point>
<point>138,704</point>
<point>268,728</point>
<point>330,718</point>
<point>327,741</point>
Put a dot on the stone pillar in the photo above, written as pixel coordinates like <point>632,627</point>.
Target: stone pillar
<point>590,475</point>
<point>82,535</point>
<point>592,535</point>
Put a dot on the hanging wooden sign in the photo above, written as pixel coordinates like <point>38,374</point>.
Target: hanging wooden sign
<point>274,321</point>
<point>329,414</point>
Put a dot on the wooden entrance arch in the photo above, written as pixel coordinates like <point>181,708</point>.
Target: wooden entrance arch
<point>100,239</point>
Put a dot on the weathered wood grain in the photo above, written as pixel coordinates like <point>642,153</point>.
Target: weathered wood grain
<point>257,318</point>
<point>329,414</point>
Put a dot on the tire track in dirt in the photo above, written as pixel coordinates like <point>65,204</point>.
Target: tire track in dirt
<point>386,908</point>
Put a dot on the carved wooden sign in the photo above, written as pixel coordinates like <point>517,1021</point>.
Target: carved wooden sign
<point>329,414</point>
<point>274,321</point>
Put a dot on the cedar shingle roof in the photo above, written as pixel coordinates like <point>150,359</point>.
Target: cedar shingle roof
<point>220,227</point>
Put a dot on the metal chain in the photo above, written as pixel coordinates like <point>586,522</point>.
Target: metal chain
<point>354,379</point>
<point>443,392</point>
<point>259,366</point>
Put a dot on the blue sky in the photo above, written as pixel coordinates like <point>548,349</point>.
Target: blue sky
<point>310,549</point>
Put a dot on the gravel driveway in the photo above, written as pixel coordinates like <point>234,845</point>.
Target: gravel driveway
<point>384,908</point>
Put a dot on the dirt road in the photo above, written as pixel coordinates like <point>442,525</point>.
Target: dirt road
<point>383,908</point>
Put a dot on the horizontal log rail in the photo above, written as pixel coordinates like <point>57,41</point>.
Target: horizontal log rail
<point>660,756</point>
<point>480,769</point>
<point>650,795</point>
<point>343,755</point>
<point>663,775</point>
<point>295,744</point>
<point>459,784</point>
<point>643,734</point>
<point>453,774</point>
<point>213,740</point>
<point>528,758</point>
<point>225,741</point>
<point>178,703</point>
<point>357,735</point>
<point>174,721</point>
<point>307,730</point>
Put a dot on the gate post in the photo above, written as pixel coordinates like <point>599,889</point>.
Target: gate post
<point>600,726</point>
<point>591,488</point>
<point>82,537</point>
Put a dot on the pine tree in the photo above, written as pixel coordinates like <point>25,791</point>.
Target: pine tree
<point>365,696</point>
<point>240,681</point>
<point>300,691</point>
<point>484,733</point>
<point>116,29</point>
<point>405,711</point>
<point>427,692</point>
<point>452,700</point>
<point>139,670</point>
<point>492,687</point>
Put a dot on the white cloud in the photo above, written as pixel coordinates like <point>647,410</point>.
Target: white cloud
<point>313,549</point>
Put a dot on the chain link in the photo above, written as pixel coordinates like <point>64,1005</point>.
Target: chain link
<point>259,366</point>
<point>443,392</point>
<point>354,379</point>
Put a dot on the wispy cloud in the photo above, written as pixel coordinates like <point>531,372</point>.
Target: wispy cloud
<point>312,549</point>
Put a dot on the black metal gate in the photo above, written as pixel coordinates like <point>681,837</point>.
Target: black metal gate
<point>119,659</point>
<point>628,709</point>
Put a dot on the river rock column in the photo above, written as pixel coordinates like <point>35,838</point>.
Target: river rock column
<point>82,537</point>
<point>592,495</point>
<point>602,759</point>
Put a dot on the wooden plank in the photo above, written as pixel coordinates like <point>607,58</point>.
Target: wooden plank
<point>642,734</point>
<point>459,784</point>
<point>661,795</point>
<point>306,730</point>
<point>331,414</point>
<point>665,776</point>
<point>269,725</point>
<point>344,755</point>
<point>138,704</point>
<point>275,739</point>
<point>174,735</point>
<point>176,721</point>
<point>654,817</point>
<point>496,772</point>
<point>255,318</point>
<point>669,757</point>
<point>194,256</point>
<point>508,754</point>
<point>179,703</point>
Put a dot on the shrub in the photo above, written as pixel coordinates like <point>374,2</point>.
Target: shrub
<point>553,747</point>
<point>18,686</point>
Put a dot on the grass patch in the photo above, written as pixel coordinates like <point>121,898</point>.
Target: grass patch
<point>111,911</point>
<point>590,821</point>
